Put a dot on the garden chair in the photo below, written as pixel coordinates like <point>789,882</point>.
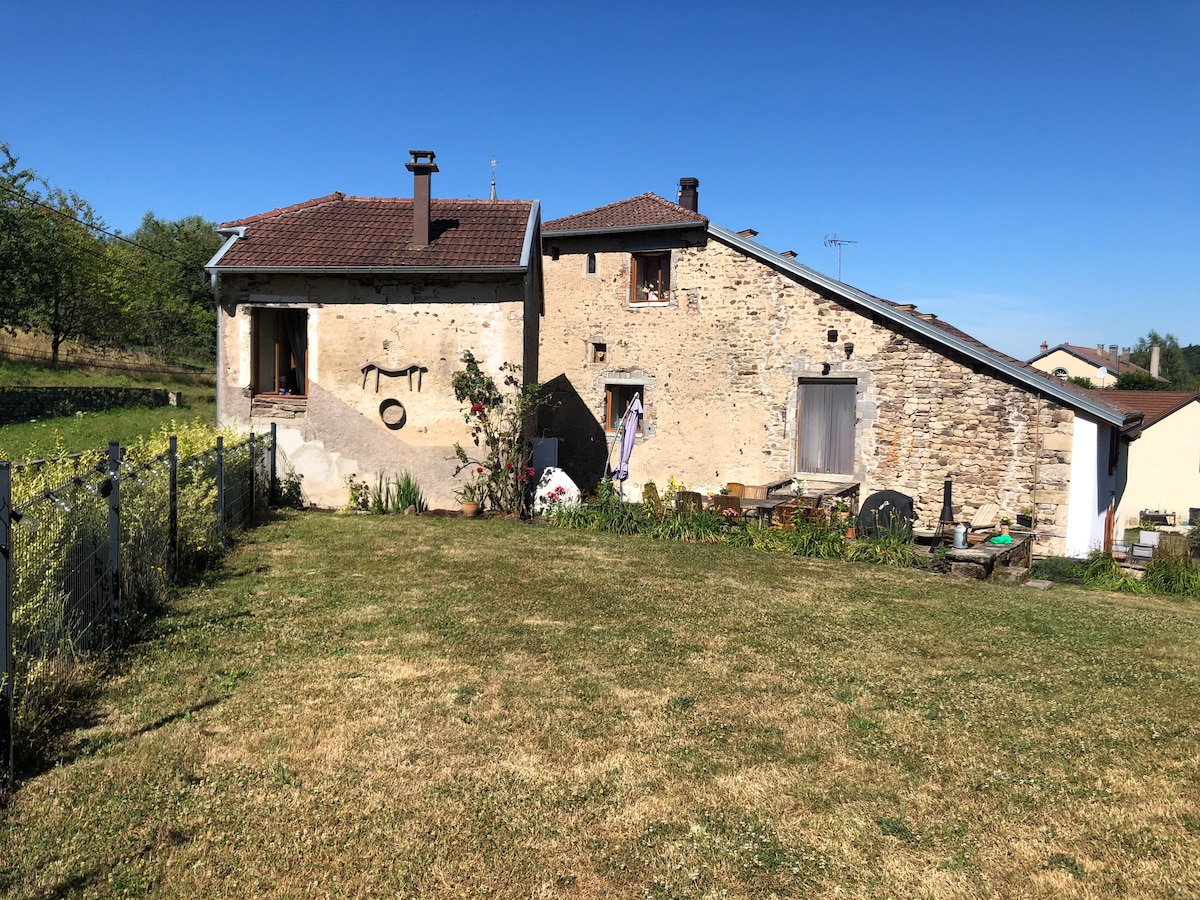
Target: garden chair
<point>985,517</point>
<point>652,501</point>
<point>722,502</point>
<point>688,502</point>
<point>735,489</point>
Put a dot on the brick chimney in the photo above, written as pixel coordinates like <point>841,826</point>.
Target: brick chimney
<point>422,166</point>
<point>1154,357</point>
<point>689,194</point>
<point>1113,356</point>
<point>1045,346</point>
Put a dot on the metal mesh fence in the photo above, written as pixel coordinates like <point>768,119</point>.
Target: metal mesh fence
<point>89,555</point>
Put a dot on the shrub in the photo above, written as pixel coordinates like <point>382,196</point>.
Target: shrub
<point>1061,569</point>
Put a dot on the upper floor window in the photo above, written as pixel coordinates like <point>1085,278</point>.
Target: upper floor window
<point>1060,372</point>
<point>589,265</point>
<point>651,278</point>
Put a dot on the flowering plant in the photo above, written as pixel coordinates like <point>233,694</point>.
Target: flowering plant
<point>799,486</point>
<point>729,513</point>
<point>500,418</point>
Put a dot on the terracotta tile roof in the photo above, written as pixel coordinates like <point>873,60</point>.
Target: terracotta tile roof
<point>1154,405</point>
<point>648,209</point>
<point>1094,356</point>
<point>339,231</point>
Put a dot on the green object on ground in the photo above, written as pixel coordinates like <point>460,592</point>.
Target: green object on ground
<point>1001,539</point>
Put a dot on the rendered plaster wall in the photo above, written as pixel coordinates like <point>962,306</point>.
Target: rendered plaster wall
<point>337,431</point>
<point>1164,468</point>
<point>722,361</point>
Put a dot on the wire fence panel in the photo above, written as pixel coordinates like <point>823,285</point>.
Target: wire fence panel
<point>71,598</point>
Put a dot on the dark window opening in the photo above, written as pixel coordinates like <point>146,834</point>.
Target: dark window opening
<point>617,398</point>
<point>651,277</point>
<point>591,264</point>
<point>280,350</point>
<point>599,353</point>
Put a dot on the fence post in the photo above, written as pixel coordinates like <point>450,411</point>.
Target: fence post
<point>253,467</point>
<point>221,486</point>
<point>274,479</point>
<point>173,506</point>
<point>7,669</point>
<point>114,536</point>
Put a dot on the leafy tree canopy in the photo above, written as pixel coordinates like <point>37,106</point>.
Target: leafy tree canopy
<point>1172,365</point>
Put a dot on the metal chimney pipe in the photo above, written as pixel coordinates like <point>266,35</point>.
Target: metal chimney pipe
<point>422,166</point>
<point>947,506</point>
<point>689,193</point>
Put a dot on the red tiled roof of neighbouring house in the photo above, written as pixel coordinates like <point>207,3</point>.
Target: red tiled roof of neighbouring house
<point>1154,405</point>
<point>646,210</point>
<point>337,231</point>
<point>1097,357</point>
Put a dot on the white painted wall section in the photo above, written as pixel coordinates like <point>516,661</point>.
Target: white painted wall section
<point>1085,518</point>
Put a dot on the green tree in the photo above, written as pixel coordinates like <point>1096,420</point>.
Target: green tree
<point>1133,380</point>
<point>16,257</point>
<point>166,305</point>
<point>1171,365</point>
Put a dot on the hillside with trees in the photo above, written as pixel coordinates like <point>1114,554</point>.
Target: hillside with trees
<point>65,276</point>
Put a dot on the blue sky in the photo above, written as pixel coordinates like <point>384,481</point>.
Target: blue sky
<point>1026,170</point>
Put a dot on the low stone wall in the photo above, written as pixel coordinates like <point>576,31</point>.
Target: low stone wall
<point>24,404</point>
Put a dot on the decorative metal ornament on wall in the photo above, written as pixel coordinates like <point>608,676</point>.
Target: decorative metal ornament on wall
<point>393,372</point>
<point>392,413</point>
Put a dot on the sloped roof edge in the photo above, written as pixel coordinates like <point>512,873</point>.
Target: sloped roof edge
<point>920,326</point>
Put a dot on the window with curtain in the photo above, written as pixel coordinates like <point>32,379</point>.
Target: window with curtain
<point>280,342</point>
<point>825,427</point>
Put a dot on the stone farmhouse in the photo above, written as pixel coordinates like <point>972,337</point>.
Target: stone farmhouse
<point>752,367</point>
<point>342,320</point>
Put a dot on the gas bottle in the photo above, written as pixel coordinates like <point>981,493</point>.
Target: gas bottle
<point>960,537</point>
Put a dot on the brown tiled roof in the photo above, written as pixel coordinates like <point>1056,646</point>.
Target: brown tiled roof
<point>1154,405</point>
<point>1097,358</point>
<point>338,231</point>
<point>646,210</point>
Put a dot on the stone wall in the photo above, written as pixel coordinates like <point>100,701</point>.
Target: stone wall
<point>722,362</point>
<point>339,428</point>
<point>24,404</point>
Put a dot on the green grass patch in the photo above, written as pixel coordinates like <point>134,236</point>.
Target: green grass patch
<point>442,707</point>
<point>86,431</point>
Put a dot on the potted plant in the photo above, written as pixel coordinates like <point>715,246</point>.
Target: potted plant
<point>468,496</point>
<point>1025,518</point>
<point>1005,524</point>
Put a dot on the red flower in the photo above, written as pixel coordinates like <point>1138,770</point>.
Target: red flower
<point>476,407</point>
<point>520,478</point>
<point>479,469</point>
<point>508,465</point>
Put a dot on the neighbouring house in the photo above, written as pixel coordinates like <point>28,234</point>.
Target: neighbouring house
<point>342,320</point>
<point>1163,465</point>
<point>752,367</point>
<point>1071,361</point>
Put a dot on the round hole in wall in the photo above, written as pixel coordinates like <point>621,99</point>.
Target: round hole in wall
<point>391,411</point>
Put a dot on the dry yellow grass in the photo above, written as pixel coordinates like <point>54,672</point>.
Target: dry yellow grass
<point>442,708</point>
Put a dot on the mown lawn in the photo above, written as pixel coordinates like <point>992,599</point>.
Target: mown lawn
<point>402,707</point>
<point>86,431</point>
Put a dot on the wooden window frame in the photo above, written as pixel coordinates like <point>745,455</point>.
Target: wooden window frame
<point>268,337</point>
<point>621,393</point>
<point>660,273</point>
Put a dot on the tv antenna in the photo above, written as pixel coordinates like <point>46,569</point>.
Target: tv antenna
<point>493,164</point>
<point>832,240</point>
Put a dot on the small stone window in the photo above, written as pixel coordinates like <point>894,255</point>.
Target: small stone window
<point>617,398</point>
<point>599,352</point>
<point>589,264</point>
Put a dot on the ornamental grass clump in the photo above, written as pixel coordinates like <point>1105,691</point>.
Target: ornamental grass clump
<point>500,421</point>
